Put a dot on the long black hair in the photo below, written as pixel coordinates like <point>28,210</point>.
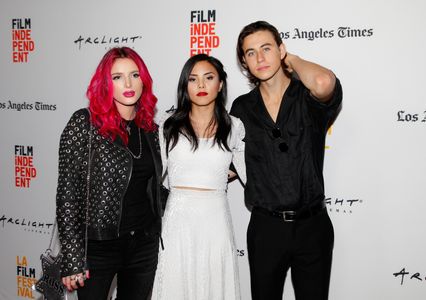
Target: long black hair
<point>179,122</point>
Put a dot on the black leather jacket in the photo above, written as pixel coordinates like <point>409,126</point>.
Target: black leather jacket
<point>110,171</point>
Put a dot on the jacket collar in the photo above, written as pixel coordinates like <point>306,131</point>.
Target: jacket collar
<point>153,142</point>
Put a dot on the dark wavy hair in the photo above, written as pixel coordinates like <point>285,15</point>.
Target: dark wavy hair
<point>245,32</point>
<point>104,113</point>
<point>179,122</point>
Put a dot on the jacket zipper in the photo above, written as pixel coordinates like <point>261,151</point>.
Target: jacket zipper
<point>125,190</point>
<point>158,181</point>
<point>153,151</point>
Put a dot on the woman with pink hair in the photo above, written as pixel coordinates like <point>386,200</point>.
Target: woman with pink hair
<point>109,192</point>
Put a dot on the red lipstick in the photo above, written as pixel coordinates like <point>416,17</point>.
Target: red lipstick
<point>129,94</point>
<point>201,94</point>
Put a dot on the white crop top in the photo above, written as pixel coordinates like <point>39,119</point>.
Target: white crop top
<point>207,167</point>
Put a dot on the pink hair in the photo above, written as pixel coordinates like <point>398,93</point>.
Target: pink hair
<point>104,113</point>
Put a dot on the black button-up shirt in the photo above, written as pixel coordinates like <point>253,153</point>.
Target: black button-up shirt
<point>284,159</point>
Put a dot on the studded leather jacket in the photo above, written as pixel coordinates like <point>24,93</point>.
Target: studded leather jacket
<point>110,171</point>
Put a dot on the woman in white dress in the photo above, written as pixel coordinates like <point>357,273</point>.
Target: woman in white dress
<point>199,141</point>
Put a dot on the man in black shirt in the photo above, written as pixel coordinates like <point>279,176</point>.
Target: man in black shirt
<point>286,118</point>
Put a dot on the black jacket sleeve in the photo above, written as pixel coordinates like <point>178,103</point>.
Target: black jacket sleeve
<point>71,192</point>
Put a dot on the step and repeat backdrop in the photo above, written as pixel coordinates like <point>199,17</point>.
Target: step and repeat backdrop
<point>375,165</point>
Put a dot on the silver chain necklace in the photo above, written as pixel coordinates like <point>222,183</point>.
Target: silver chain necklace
<point>140,142</point>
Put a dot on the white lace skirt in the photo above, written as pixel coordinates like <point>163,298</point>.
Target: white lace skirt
<point>199,261</point>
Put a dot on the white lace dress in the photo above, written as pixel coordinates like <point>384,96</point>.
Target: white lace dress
<point>199,259</point>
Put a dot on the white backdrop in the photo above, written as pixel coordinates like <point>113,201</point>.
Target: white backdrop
<point>375,159</point>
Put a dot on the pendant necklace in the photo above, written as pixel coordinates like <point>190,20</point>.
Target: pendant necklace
<point>140,141</point>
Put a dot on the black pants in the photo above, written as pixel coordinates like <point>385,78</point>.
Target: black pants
<point>305,246</point>
<point>133,257</point>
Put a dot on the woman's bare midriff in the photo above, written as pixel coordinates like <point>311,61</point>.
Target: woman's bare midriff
<point>192,188</point>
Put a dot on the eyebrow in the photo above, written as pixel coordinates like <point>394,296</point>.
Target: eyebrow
<point>263,45</point>
<point>203,74</point>
<point>135,71</point>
